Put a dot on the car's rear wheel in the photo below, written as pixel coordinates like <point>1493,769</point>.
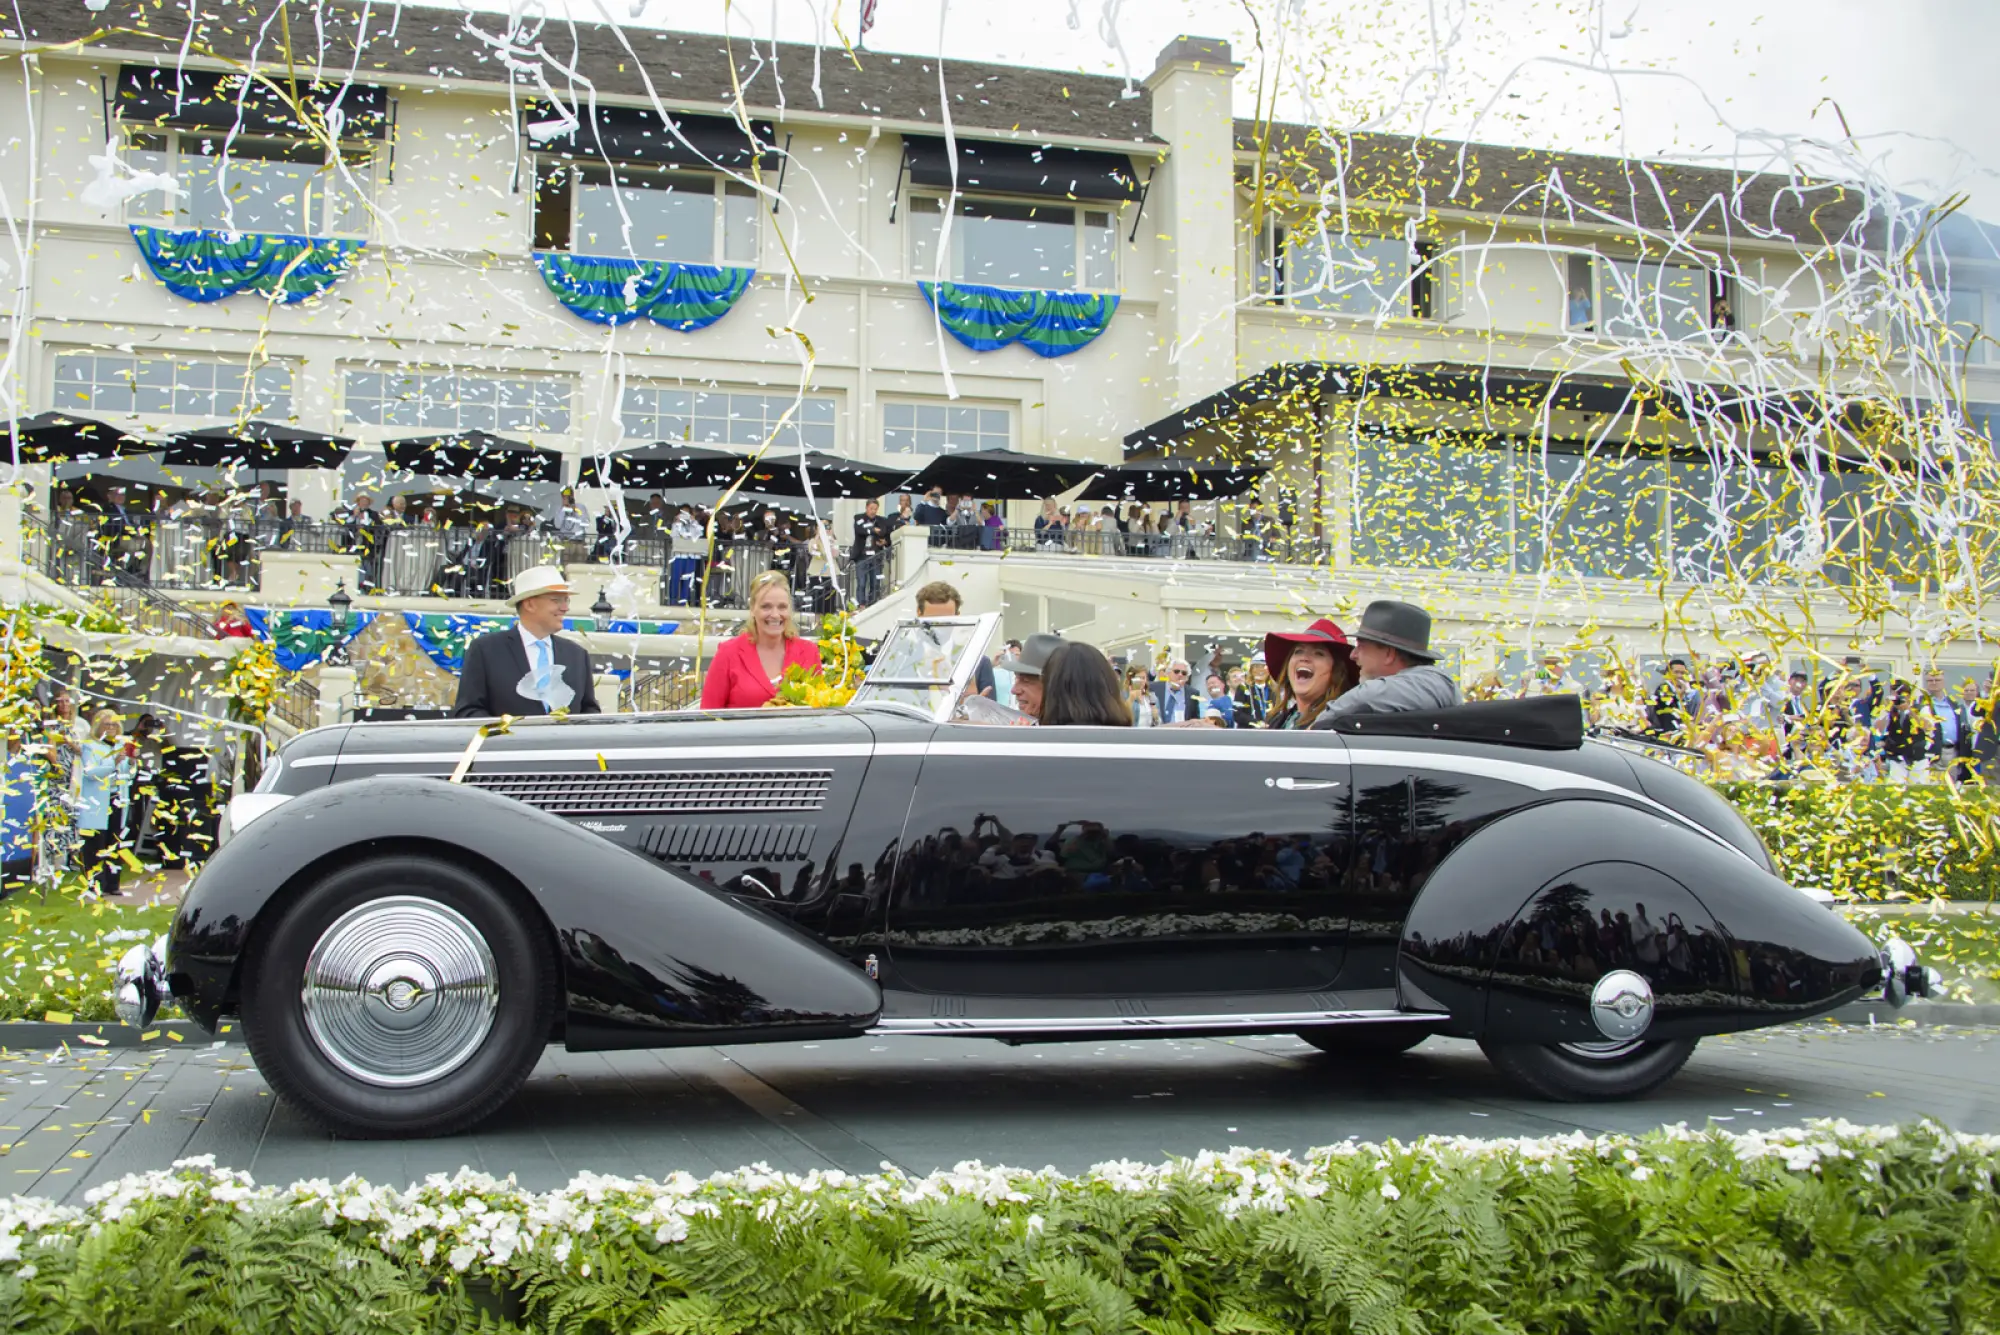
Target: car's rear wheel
<point>1366,1040</point>
<point>1584,1072</point>
<point>399,997</point>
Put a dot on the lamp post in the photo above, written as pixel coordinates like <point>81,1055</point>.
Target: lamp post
<point>601,609</point>
<point>338,603</point>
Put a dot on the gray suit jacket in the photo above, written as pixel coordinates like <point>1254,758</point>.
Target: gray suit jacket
<point>1425,686</point>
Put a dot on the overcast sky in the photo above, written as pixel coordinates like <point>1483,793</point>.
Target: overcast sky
<point>1696,79</point>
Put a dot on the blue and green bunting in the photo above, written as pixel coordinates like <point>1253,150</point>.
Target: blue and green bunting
<point>208,266</point>
<point>613,291</point>
<point>1051,324</point>
<point>300,637</point>
<point>443,635</point>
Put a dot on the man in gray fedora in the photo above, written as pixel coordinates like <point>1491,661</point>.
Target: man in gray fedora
<point>1392,647</point>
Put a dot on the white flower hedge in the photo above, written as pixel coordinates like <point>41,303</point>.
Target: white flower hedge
<point>1829,1227</point>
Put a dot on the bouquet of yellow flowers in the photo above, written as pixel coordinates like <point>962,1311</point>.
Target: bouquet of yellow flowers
<point>840,671</point>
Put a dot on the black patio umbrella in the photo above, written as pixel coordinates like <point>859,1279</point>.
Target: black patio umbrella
<point>57,437</point>
<point>474,453</point>
<point>1003,475</point>
<point>1171,480</point>
<point>664,464</point>
<point>833,478</point>
<point>256,445</point>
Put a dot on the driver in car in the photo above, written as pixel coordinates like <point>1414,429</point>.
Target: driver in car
<point>1392,647</point>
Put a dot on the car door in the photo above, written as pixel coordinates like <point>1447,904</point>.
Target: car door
<point>1118,861</point>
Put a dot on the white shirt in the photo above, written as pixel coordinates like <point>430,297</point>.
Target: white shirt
<point>529,642</point>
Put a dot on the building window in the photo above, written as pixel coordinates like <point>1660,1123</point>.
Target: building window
<point>1007,244</point>
<point>726,417</point>
<point>251,183</point>
<point>1646,300</point>
<point>644,213</point>
<point>457,401</point>
<point>1345,273</point>
<point>932,428</point>
<point>177,386</point>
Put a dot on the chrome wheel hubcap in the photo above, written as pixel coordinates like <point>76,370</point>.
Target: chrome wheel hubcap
<point>399,991</point>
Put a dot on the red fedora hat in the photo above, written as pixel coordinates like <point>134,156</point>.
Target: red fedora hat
<point>1278,644</point>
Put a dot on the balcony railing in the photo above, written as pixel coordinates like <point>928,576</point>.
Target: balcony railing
<point>1276,546</point>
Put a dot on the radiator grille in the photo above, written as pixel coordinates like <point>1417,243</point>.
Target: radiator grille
<point>663,792</point>
<point>697,844</point>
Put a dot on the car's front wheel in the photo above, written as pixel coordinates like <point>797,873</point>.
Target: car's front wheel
<point>1584,1072</point>
<point>399,996</point>
<point>1366,1041</point>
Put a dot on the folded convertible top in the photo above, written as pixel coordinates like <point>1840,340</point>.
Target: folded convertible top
<point>1546,723</point>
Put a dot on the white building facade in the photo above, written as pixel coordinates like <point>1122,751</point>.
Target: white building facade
<point>1179,278</point>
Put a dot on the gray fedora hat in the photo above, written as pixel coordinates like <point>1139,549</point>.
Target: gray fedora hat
<point>1035,652</point>
<point>1403,626</point>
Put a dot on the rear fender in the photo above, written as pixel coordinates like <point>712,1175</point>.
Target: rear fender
<point>1514,929</point>
<point>650,957</point>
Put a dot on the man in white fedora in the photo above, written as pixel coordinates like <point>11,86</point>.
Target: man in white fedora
<point>529,669</point>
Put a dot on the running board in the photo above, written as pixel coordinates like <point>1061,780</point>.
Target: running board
<point>1008,1026</point>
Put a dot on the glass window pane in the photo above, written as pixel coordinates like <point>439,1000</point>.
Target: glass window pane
<point>1729,519</point>
<point>1355,275</point>
<point>1592,514</point>
<point>72,369</point>
<point>477,389</point>
<point>926,217</point>
<point>155,398</point>
<point>478,417</point>
<point>993,422</point>
<point>671,222</point>
<point>1100,252</point>
<point>931,416</point>
<point>114,397</point>
<point>194,375</point>
<point>899,440</point>
<point>739,225</point>
<point>364,385</point>
<point>153,371</point>
<point>1653,301</point>
<point>1430,503</point>
<point>818,409</point>
<point>963,420</point>
<point>187,402</point>
<point>899,414</point>
<point>1015,245</point>
<point>1581,308</point>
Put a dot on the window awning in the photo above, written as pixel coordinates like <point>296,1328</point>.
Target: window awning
<point>1022,169</point>
<point>200,100</point>
<point>635,134</point>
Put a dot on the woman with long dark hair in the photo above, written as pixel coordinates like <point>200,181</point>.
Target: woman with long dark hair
<point>1079,686</point>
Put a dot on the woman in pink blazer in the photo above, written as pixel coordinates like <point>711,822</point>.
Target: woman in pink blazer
<point>746,669</point>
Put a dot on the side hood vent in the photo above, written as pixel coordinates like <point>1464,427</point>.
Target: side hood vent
<point>663,792</point>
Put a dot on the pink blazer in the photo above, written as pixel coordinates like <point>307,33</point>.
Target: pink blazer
<point>736,679</point>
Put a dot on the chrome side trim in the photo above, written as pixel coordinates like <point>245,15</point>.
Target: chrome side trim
<point>1003,1026</point>
<point>494,756</point>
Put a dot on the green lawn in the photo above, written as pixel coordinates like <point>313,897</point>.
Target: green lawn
<point>57,954</point>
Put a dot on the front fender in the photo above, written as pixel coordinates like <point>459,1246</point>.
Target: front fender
<point>649,957</point>
<point>1513,930</point>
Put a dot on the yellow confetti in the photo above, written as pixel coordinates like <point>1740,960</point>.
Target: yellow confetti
<point>149,1035</point>
<point>174,1034</point>
<point>58,1017</point>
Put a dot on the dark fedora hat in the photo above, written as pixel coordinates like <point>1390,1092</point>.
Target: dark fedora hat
<point>1278,644</point>
<point>1036,651</point>
<point>1402,626</point>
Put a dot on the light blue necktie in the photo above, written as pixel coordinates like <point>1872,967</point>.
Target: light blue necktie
<point>542,680</point>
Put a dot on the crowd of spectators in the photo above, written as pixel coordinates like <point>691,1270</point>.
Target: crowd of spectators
<point>1745,717</point>
<point>90,796</point>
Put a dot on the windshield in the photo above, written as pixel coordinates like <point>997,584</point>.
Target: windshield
<point>927,663</point>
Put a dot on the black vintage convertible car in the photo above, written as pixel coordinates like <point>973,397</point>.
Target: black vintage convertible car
<point>405,914</point>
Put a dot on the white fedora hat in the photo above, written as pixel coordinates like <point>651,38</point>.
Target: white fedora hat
<point>538,579</point>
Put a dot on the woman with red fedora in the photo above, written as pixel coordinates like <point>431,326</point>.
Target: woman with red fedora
<point>1309,669</point>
